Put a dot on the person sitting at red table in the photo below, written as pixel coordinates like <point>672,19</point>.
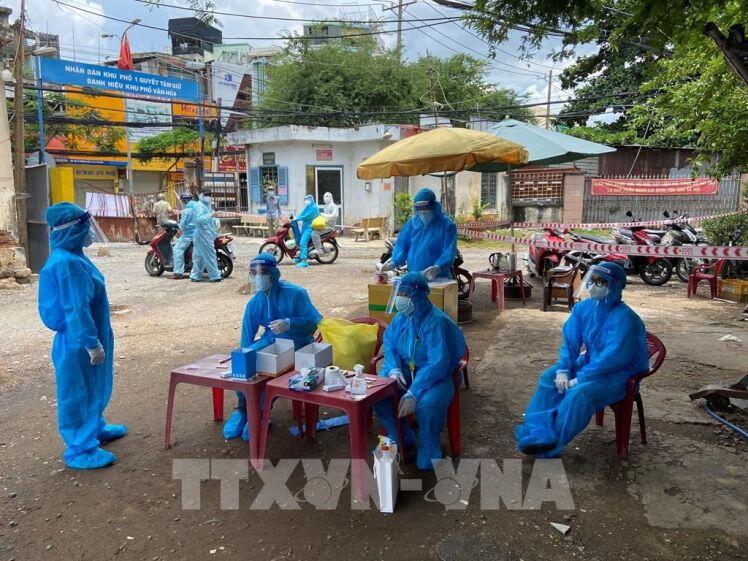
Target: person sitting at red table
<point>284,310</point>
<point>422,348</point>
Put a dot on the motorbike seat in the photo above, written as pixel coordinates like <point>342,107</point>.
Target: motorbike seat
<point>326,231</point>
<point>656,232</point>
<point>596,240</point>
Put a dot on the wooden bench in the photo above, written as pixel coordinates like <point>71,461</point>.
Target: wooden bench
<point>370,226</point>
<point>252,225</point>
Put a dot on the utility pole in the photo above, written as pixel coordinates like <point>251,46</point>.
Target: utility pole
<point>548,106</point>
<point>400,6</point>
<point>217,139</point>
<point>447,194</point>
<point>19,156</point>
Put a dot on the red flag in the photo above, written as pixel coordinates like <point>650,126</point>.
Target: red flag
<point>125,56</point>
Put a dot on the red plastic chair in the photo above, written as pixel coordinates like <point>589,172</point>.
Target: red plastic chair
<point>708,273</point>
<point>453,412</point>
<point>623,410</point>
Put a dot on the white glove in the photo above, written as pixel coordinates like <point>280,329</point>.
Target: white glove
<point>280,326</point>
<point>431,272</point>
<point>97,355</point>
<point>397,375</point>
<point>387,266</point>
<point>571,383</point>
<point>407,405</point>
<point>562,379</point>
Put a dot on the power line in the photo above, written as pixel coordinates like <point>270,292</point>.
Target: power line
<point>278,18</point>
<point>287,38</point>
<point>511,71</point>
<point>466,30</point>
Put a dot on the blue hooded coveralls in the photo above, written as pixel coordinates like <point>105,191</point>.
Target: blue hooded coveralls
<point>204,251</point>
<point>73,303</point>
<point>187,226</point>
<point>284,300</point>
<point>616,343</point>
<point>434,344</point>
<point>310,212</point>
<point>422,245</point>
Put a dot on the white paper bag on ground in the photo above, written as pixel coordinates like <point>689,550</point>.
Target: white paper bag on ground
<point>386,474</point>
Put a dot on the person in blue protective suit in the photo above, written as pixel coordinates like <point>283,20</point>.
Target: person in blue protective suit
<point>428,241</point>
<point>310,212</point>
<point>284,310</point>
<point>579,384</point>
<point>73,303</point>
<point>204,251</point>
<point>187,227</point>
<point>422,348</point>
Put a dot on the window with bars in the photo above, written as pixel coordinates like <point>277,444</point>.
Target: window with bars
<point>488,183</point>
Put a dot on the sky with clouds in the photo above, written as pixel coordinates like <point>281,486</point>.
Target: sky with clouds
<point>80,32</point>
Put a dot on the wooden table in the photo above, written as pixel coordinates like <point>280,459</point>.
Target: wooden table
<point>207,372</point>
<point>356,409</point>
<point>497,279</point>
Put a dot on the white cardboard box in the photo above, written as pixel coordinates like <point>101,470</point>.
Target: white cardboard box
<point>275,358</point>
<point>315,355</point>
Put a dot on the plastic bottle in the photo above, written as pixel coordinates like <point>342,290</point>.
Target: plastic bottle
<point>358,384</point>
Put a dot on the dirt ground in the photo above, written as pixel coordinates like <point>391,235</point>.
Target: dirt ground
<point>682,496</point>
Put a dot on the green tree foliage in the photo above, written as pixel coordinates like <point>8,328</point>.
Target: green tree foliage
<point>681,91</point>
<point>179,139</point>
<point>719,231</point>
<point>322,86</point>
<point>65,118</point>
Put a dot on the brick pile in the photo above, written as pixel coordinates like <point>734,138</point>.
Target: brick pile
<point>13,269</point>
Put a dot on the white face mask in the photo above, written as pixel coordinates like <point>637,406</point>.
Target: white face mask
<point>261,283</point>
<point>404,305</point>
<point>308,202</point>
<point>328,200</point>
<point>426,216</point>
<point>598,292</point>
<point>207,199</point>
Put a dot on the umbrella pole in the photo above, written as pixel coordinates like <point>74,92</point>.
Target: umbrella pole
<point>511,209</point>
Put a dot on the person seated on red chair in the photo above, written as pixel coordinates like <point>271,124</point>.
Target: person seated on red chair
<point>581,383</point>
<point>422,348</point>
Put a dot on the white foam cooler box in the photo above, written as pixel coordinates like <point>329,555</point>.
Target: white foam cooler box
<point>315,355</point>
<point>275,358</point>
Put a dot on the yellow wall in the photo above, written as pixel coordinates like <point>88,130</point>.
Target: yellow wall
<point>113,108</point>
<point>61,186</point>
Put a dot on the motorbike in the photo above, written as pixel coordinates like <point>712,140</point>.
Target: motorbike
<point>281,244</point>
<point>733,268</point>
<point>462,276</point>
<point>682,233</point>
<point>160,256</point>
<point>539,260</point>
<point>653,270</point>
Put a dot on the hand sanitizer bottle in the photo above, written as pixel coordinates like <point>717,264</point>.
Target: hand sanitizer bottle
<point>358,384</point>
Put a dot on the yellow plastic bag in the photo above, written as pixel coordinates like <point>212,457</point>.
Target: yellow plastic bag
<point>319,223</point>
<point>352,343</point>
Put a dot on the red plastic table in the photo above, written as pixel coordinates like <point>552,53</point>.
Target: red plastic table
<point>356,409</point>
<point>207,372</point>
<point>497,279</point>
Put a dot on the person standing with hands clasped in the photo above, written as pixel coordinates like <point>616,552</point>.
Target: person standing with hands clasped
<point>73,303</point>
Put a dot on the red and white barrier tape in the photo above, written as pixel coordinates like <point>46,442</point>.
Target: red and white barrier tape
<point>692,251</point>
<point>588,226</point>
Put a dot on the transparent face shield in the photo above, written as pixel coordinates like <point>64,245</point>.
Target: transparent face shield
<point>393,295</point>
<point>260,277</point>
<point>594,284</point>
